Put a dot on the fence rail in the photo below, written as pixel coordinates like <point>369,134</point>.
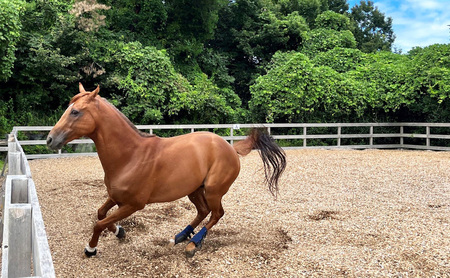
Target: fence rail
<point>25,249</point>
<point>305,137</point>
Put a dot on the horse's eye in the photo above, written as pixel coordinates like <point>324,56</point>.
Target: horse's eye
<point>74,112</point>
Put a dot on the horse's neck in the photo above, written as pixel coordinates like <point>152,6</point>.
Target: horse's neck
<point>114,139</point>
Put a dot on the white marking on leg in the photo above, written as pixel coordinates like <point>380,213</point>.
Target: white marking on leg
<point>117,230</point>
<point>171,242</point>
<point>90,249</point>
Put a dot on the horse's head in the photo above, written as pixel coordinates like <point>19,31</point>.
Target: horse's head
<point>77,120</point>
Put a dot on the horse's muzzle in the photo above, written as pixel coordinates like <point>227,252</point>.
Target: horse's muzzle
<point>55,142</point>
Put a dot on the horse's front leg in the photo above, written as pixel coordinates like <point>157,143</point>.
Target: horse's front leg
<point>107,222</point>
<point>101,214</point>
<point>103,210</point>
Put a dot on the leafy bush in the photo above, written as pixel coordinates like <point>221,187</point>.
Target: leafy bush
<point>148,88</point>
<point>10,25</point>
<point>295,90</point>
<point>340,59</point>
<point>333,20</point>
<point>321,40</point>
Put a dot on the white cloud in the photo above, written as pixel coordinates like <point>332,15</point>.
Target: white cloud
<point>425,4</point>
<point>418,22</point>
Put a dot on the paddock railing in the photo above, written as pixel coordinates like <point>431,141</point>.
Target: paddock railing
<point>421,136</point>
<point>25,249</point>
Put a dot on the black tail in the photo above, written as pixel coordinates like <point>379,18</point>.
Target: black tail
<point>273,157</point>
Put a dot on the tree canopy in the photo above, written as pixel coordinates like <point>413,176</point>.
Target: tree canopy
<point>216,61</point>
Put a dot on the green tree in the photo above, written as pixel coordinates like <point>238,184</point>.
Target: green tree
<point>430,81</point>
<point>10,25</point>
<point>238,26</point>
<point>373,31</point>
<point>322,39</point>
<point>338,6</point>
<point>190,24</point>
<point>52,55</point>
<point>249,33</point>
<point>295,90</point>
<point>341,59</point>
<point>138,20</point>
<point>146,87</point>
<point>205,62</point>
<point>333,20</point>
<point>208,104</point>
<point>148,90</point>
<point>309,9</point>
<point>386,78</point>
<point>44,61</point>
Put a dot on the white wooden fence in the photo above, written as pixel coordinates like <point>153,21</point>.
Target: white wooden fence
<point>25,250</point>
<point>306,135</point>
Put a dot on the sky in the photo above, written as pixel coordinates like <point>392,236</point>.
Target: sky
<point>416,22</point>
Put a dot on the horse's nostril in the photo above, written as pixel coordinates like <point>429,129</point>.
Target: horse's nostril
<point>49,140</point>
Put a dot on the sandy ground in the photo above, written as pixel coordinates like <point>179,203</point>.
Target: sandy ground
<point>339,214</point>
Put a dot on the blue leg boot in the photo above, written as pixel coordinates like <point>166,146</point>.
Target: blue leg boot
<point>185,234</point>
<point>197,241</point>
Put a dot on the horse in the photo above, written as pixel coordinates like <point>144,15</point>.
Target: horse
<point>142,168</point>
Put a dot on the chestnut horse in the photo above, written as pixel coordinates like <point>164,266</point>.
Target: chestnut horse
<point>142,168</point>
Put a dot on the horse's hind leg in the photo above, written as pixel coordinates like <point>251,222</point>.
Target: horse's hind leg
<point>198,199</point>
<point>221,175</point>
<point>214,202</point>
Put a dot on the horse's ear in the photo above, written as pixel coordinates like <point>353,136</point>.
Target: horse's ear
<point>95,92</point>
<point>82,90</point>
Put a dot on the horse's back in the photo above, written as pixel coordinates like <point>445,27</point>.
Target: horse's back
<point>206,148</point>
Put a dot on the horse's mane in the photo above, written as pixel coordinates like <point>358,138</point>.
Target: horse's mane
<point>143,134</point>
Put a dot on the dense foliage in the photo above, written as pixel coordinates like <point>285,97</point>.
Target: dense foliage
<point>216,61</point>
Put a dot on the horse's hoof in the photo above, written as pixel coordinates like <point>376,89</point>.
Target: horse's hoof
<point>190,250</point>
<point>120,232</point>
<point>90,253</point>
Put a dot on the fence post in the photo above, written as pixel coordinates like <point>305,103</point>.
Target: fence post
<point>401,136</point>
<point>6,158</point>
<point>339,136</point>
<point>16,246</point>
<point>428,136</point>
<point>14,157</point>
<point>24,240</point>
<point>304,133</point>
<point>14,161</point>
<point>12,143</point>
<point>231,135</point>
<point>42,258</point>
<point>371,136</point>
